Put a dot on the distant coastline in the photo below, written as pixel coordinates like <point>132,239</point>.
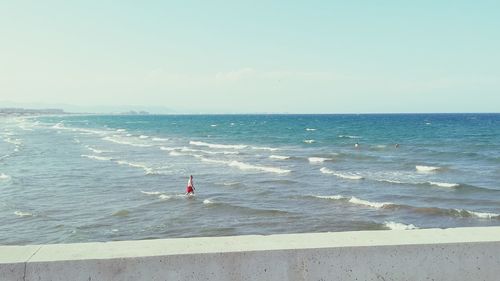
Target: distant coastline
<point>30,112</point>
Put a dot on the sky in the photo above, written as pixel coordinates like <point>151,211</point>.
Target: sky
<point>252,56</point>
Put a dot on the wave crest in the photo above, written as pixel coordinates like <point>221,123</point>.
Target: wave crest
<point>427,169</point>
<point>399,226</point>
<point>348,176</point>
<point>279,157</point>
<point>215,145</point>
<point>94,157</point>
<point>318,159</point>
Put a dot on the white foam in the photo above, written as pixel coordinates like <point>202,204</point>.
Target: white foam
<point>245,166</point>
<point>333,197</point>
<point>146,169</point>
<point>24,128</point>
<point>377,205</point>
<point>310,129</point>
<point>4,176</point>
<point>391,181</point>
<point>187,149</point>
<point>213,125</point>
<point>309,141</point>
<point>318,159</point>
<point>23,214</point>
<point>444,184</point>
<point>94,157</point>
<point>59,125</point>
<point>93,149</point>
<point>480,215</point>
<point>279,157</point>
<point>340,175</point>
<point>399,226</point>
<point>175,153</point>
<point>159,139</point>
<point>349,137</point>
<point>125,142</point>
<point>151,192</point>
<point>168,148</point>
<point>121,130</point>
<point>208,201</point>
<point>13,141</point>
<point>89,131</point>
<point>214,145</point>
<point>143,137</point>
<point>426,169</point>
<point>164,197</point>
<point>264,148</point>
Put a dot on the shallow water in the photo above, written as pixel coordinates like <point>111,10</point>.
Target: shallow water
<point>100,178</point>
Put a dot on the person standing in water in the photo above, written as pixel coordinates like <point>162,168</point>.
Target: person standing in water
<point>190,186</point>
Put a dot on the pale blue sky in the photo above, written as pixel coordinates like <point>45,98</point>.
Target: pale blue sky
<point>253,56</point>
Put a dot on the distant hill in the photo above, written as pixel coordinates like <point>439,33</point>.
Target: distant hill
<point>13,111</point>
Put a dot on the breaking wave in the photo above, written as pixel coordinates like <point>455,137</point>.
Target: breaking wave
<point>159,139</point>
<point>279,157</point>
<point>23,214</point>
<point>348,176</point>
<point>444,184</point>
<point>357,201</point>
<point>94,157</point>
<point>318,159</point>
<point>187,150</point>
<point>433,211</point>
<point>147,170</point>
<point>349,137</point>
<point>215,145</point>
<point>245,166</point>
<point>399,226</point>
<point>151,192</point>
<point>125,142</point>
<point>94,150</point>
<point>426,169</point>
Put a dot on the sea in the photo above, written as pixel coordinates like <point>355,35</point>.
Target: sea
<point>83,178</point>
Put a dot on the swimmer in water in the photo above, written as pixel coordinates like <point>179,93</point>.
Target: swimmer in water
<point>397,145</point>
<point>190,186</point>
<point>356,145</point>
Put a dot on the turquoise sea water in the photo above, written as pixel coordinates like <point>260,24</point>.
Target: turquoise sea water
<point>100,178</point>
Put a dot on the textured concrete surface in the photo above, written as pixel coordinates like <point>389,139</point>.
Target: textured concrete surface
<point>13,260</point>
<point>429,254</point>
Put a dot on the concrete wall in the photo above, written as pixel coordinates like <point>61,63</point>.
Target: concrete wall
<point>429,254</point>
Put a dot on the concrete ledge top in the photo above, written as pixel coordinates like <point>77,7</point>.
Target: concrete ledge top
<point>201,245</point>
